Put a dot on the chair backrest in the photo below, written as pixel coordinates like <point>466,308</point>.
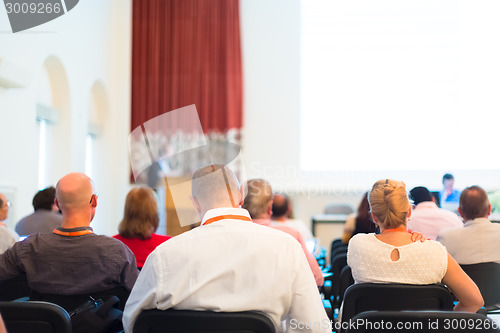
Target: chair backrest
<point>421,321</point>
<point>339,262</point>
<point>392,297</point>
<point>70,302</point>
<point>39,317</point>
<point>14,288</point>
<point>346,280</point>
<point>339,208</point>
<point>336,242</point>
<point>187,321</point>
<point>487,277</point>
<point>338,250</point>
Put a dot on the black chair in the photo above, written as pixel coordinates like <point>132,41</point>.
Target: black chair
<point>187,321</point>
<point>487,277</point>
<point>341,249</point>
<point>70,302</point>
<point>421,321</point>
<point>14,288</point>
<point>339,262</point>
<point>31,317</point>
<point>393,297</point>
<point>336,242</point>
<point>346,280</point>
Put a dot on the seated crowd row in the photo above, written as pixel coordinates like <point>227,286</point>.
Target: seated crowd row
<point>229,263</point>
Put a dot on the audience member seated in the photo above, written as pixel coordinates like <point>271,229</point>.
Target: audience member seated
<point>72,259</point>
<point>140,221</point>
<point>282,211</point>
<point>228,264</point>
<point>46,216</point>
<point>7,236</point>
<point>392,256</point>
<point>427,218</point>
<point>2,326</point>
<point>478,241</point>
<point>448,194</point>
<point>360,223</point>
<point>494,198</point>
<point>259,202</point>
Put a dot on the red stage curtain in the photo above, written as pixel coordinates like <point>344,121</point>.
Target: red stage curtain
<point>187,52</point>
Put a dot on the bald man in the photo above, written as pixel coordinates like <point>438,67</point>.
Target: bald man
<point>72,259</point>
<point>229,264</point>
<point>7,236</point>
<point>477,241</point>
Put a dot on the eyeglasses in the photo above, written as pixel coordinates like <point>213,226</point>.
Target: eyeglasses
<point>9,204</point>
<point>92,197</point>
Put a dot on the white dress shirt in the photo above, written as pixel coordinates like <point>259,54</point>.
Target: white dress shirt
<point>429,219</point>
<point>477,242</point>
<point>7,237</point>
<point>231,265</point>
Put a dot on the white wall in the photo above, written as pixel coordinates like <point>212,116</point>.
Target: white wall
<point>92,42</point>
<point>271,136</point>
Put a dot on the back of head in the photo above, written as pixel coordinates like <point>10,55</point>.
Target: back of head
<point>474,203</point>
<point>4,207</point>
<point>420,194</point>
<point>74,192</point>
<point>44,199</point>
<point>140,215</point>
<point>389,203</point>
<point>215,186</point>
<point>447,176</point>
<point>260,194</point>
<point>364,208</point>
<point>280,205</point>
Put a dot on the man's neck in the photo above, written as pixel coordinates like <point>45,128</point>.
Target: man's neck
<point>279,219</point>
<point>70,222</point>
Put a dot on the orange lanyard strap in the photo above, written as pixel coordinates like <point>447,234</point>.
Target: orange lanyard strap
<point>3,224</point>
<point>227,217</point>
<point>395,229</point>
<point>73,233</point>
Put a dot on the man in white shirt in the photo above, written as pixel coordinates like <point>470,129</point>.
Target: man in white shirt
<point>7,236</point>
<point>427,218</point>
<point>477,241</point>
<point>229,264</point>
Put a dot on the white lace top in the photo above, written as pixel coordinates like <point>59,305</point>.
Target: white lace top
<point>418,263</point>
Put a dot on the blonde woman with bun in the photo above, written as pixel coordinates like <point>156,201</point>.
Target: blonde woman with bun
<point>393,257</point>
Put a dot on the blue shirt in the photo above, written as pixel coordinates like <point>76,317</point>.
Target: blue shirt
<point>453,197</point>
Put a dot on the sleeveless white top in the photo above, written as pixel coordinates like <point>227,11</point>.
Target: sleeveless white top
<point>418,263</point>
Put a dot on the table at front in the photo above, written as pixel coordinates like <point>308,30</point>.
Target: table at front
<point>327,219</point>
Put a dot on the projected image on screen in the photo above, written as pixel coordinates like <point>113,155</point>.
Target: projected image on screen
<point>400,85</point>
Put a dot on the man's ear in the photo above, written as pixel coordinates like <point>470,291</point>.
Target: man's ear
<point>270,208</point>
<point>196,205</point>
<point>57,203</point>
<point>459,210</point>
<point>242,195</point>
<point>489,210</point>
<point>375,219</point>
<point>94,201</point>
<point>409,212</point>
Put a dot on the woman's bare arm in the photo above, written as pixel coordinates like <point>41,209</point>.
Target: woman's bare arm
<point>468,294</point>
